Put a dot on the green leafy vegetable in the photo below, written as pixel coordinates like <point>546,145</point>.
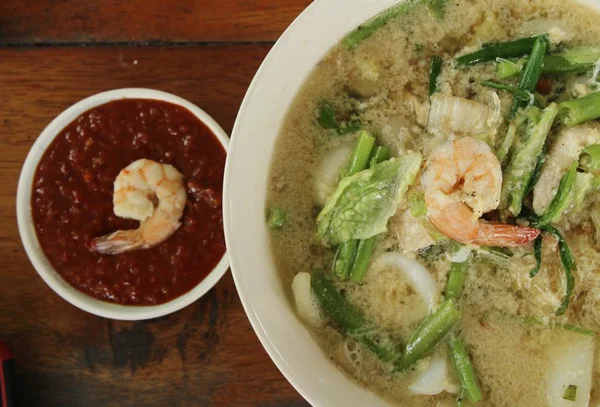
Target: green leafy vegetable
<point>437,8</point>
<point>276,218</point>
<point>327,118</point>
<point>520,169</point>
<point>575,60</point>
<point>431,331</point>
<point>363,203</point>
<point>537,252</point>
<point>570,393</point>
<point>464,368</point>
<point>590,160</point>
<point>344,258</point>
<point>577,111</point>
<point>348,319</point>
<point>507,143</point>
<point>490,52</point>
<point>519,94</point>
<point>417,204</point>
<point>561,200</point>
<point>434,72</point>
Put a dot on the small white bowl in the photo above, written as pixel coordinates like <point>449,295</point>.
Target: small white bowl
<point>29,237</point>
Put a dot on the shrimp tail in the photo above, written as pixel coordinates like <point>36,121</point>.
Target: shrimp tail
<point>117,242</point>
<point>495,234</point>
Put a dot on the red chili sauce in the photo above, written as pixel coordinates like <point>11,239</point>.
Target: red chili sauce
<point>72,201</point>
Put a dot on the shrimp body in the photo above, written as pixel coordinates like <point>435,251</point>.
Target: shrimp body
<point>463,180</point>
<point>152,193</point>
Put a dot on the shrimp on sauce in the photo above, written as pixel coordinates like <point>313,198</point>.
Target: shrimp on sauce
<point>463,180</point>
<point>152,193</point>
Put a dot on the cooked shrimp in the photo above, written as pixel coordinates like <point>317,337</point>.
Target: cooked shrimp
<point>152,193</point>
<point>463,180</point>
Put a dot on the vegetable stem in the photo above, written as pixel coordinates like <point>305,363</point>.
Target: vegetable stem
<point>519,94</point>
<point>358,161</point>
<point>532,71</point>
<point>276,218</point>
<point>431,331</point>
<point>348,319</point>
<point>456,280</point>
<point>464,368</point>
<point>434,72</point>
<point>367,247</point>
<point>537,252</point>
<point>573,112</point>
<point>511,49</point>
<point>561,199</point>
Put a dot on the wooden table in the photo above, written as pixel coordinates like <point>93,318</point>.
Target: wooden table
<point>54,53</point>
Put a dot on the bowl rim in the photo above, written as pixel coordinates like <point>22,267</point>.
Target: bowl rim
<point>28,233</point>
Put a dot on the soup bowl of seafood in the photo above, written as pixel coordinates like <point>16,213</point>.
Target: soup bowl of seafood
<point>119,204</point>
<point>410,208</point>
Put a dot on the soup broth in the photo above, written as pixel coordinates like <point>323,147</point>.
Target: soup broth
<point>511,323</point>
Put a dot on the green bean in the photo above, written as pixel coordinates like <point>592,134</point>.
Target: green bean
<point>358,161</point>
<point>431,331</point>
<point>456,280</point>
<point>276,218</point>
<point>573,112</point>
<point>464,368</point>
<point>361,153</point>
<point>434,73</point>
<point>511,49</point>
<point>366,248</point>
<point>532,71</point>
<point>537,252</point>
<point>561,199</point>
<point>344,258</point>
<point>348,319</point>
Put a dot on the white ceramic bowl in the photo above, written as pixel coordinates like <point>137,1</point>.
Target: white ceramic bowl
<point>296,354</point>
<point>27,229</point>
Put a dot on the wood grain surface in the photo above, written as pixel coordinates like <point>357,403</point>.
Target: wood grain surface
<point>204,355</point>
<point>56,21</point>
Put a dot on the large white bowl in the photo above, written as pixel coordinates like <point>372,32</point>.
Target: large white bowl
<point>263,110</point>
<point>27,230</point>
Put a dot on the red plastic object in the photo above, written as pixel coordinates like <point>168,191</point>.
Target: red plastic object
<point>7,377</point>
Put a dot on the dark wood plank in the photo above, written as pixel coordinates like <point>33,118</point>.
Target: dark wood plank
<point>49,21</point>
<point>204,355</point>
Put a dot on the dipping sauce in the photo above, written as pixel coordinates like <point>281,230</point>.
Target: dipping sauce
<point>72,201</point>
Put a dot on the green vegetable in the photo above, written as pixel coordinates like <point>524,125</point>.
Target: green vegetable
<point>521,167</point>
<point>367,29</point>
<point>344,258</point>
<point>575,60</point>
<point>348,319</point>
<point>561,200</point>
<point>506,145</point>
<point>276,218</point>
<point>536,321</point>
<point>537,252</point>
<point>456,280</point>
<point>361,153</point>
<point>573,112</point>
<point>362,203</point>
<point>358,161</point>
<point>327,118</point>
<point>417,204</point>
<point>464,369</point>
<point>491,52</point>
<point>506,69</point>
<point>590,160</point>
<point>570,393</point>
<point>519,94</point>
<point>437,8</point>
<point>568,263</point>
<point>584,183</point>
<point>431,331</point>
<point>532,71</point>
<point>538,170</point>
<point>434,73</point>
<point>367,247</point>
